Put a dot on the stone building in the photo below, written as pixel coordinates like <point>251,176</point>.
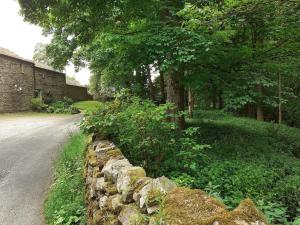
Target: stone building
<point>22,79</point>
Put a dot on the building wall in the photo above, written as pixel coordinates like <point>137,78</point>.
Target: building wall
<point>16,84</point>
<point>77,93</point>
<point>50,83</point>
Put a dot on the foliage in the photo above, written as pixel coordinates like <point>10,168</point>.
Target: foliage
<point>235,54</point>
<point>65,106</point>
<point>250,159</point>
<point>292,112</point>
<point>40,55</point>
<point>87,106</point>
<point>71,80</point>
<point>65,201</point>
<point>37,104</point>
<point>145,135</point>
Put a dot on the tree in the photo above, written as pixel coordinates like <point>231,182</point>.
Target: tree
<point>71,80</point>
<point>40,55</point>
<point>228,52</point>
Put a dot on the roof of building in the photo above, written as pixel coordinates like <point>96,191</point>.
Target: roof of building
<point>45,67</point>
<point>6,52</point>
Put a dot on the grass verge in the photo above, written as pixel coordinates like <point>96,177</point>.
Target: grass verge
<point>65,202</point>
<point>87,106</point>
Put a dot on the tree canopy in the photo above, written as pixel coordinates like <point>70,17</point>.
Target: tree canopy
<point>241,55</point>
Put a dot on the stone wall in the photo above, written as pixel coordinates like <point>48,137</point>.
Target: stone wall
<point>77,93</point>
<point>16,84</point>
<point>119,193</point>
<point>50,83</point>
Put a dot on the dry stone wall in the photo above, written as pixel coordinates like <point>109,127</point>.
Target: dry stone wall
<point>118,193</point>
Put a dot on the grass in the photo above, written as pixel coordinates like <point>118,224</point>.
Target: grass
<point>65,202</point>
<point>87,106</point>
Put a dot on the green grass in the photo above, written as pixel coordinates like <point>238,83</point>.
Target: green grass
<point>88,106</point>
<point>65,202</point>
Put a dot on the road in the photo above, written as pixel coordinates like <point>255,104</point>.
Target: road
<point>28,147</point>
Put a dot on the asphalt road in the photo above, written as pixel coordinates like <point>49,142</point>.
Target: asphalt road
<point>28,147</point>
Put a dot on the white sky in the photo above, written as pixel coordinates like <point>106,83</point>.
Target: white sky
<point>21,37</point>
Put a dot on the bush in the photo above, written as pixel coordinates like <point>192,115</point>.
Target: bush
<point>141,129</point>
<point>62,107</point>
<point>292,113</point>
<point>288,192</point>
<point>37,104</point>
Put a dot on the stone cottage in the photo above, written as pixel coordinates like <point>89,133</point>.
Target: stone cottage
<point>22,79</point>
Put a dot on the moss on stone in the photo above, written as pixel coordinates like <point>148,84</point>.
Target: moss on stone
<point>111,189</point>
<point>190,207</point>
<point>115,153</point>
<point>193,207</point>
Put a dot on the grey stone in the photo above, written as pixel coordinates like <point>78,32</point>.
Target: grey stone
<point>113,167</point>
<point>117,203</point>
<point>159,186</point>
<point>130,215</point>
<point>126,181</point>
<point>103,202</point>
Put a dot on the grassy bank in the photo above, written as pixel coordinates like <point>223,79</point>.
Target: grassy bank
<point>252,159</point>
<point>65,202</point>
<point>88,106</point>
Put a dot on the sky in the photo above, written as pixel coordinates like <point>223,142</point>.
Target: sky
<point>21,37</point>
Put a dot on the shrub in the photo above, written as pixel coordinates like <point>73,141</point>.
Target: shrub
<point>288,192</point>
<point>62,107</point>
<point>292,113</point>
<point>37,104</point>
<point>145,135</point>
<point>68,101</point>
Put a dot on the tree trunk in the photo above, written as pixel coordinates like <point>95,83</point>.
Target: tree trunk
<point>280,96</point>
<point>162,88</point>
<point>191,102</point>
<point>221,101</point>
<point>175,95</point>
<point>214,95</point>
<point>151,89</point>
<point>259,113</point>
<point>259,110</point>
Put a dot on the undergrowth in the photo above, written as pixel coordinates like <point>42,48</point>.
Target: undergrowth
<point>231,158</point>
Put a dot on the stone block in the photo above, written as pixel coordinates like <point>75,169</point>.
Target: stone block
<point>126,181</point>
<point>113,167</point>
